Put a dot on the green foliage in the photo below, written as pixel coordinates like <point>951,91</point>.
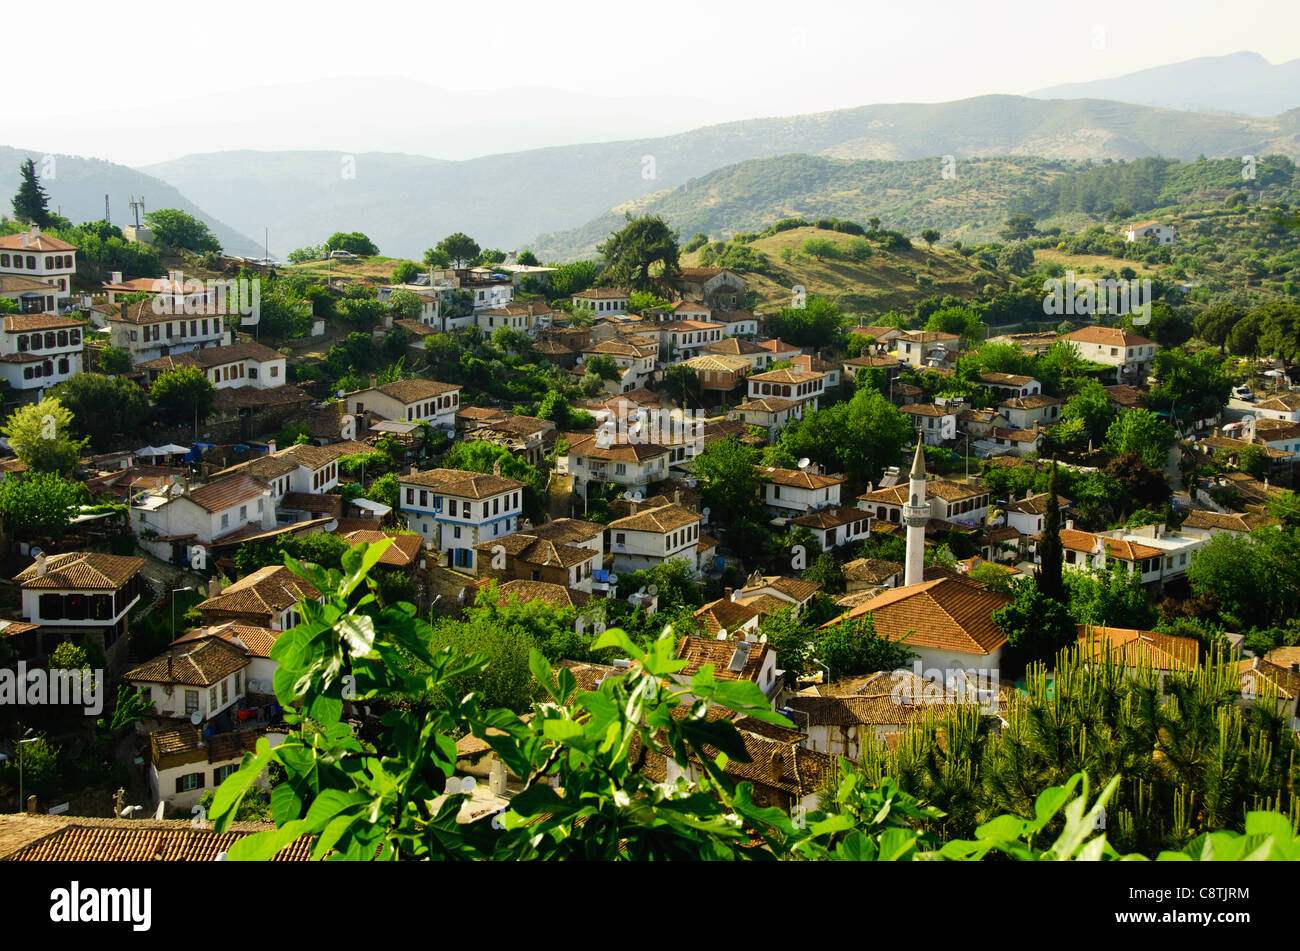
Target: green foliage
<point>819,324</point>
<point>727,481</point>
<point>404,271</point>
<point>31,204</point>
<point>185,393</point>
<point>860,437</point>
<point>459,247</point>
<point>1036,625</point>
<point>353,241</point>
<point>1141,432</point>
<point>479,456</point>
<point>103,408</point>
<point>115,360</point>
<point>178,229</point>
<point>851,647</point>
<point>642,256</point>
<point>1254,580</point>
<point>39,434</point>
<point>1115,598</point>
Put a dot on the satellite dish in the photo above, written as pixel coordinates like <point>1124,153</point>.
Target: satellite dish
<point>705,513</point>
<point>722,634</point>
<point>467,785</point>
<point>613,578</point>
<point>805,462</point>
<point>641,591</point>
<point>196,717</point>
<point>638,495</point>
<point>628,495</point>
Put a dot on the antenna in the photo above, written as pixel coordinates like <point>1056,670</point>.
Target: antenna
<point>107,219</point>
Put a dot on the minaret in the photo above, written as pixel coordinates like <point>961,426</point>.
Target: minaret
<point>915,515</point>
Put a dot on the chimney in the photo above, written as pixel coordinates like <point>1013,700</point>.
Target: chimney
<point>31,803</point>
<point>270,447</point>
<point>729,594</point>
<point>24,239</point>
<point>496,468</point>
<point>214,586</point>
<point>115,277</point>
<point>1069,523</point>
<point>677,496</point>
<point>632,506</point>
<point>373,381</point>
<point>40,564</point>
<point>415,469</point>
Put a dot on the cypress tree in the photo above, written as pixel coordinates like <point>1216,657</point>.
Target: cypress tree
<point>31,204</point>
<point>1048,574</point>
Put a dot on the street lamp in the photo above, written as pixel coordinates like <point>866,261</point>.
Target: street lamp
<point>22,802</point>
<point>176,591</point>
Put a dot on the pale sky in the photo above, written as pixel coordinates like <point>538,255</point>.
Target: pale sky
<point>697,60</point>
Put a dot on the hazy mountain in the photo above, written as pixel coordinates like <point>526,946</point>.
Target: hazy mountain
<point>1240,82</point>
<point>406,203</point>
<point>356,114</point>
<point>78,185</point>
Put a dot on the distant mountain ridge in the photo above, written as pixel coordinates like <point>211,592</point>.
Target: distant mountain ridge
<point>406,203</point>
<point>78,187</point>
<point>1240,82</point>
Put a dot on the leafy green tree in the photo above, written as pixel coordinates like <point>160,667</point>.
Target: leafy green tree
<point>859,438</point>
<point>818,324</point>
<point>352,241</point>
<point>179,229</point>
<point>930,236</point>
<point>641,256</point>
<point>406,304</point>
<point>40,504</point>
<point>1143,486</point>
<point>31,204</point>
<point>115,360</point>
<point>1036,625</point>
<point>1091,406</point>
<point>40,434</point>
<point>437,258</point>
<point>963,321</point>
<point>1195,385</point>
<point>1018,227</point>
<point>852,647</point>
<point>1114,597</point>
<point>528,259</point>
<point>1142,432</point>
<point>603,366</point>
<point>404,271</point>
<point>306,255</point>
<point>727,480</point>
<point>103,408</point>
<point>459,248</point>
<point>1050,553</point>
<point>185,393</point>
<point>1254,580</point>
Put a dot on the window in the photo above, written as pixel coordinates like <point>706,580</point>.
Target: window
<point>188,782</point>
<point>225,520</point>
<point>212,698</point>
<point>191,701</point>
<point>225,691</point>
<point>221,772</point>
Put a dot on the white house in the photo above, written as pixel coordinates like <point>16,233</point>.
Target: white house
<point>791,383</point>
<point>269,598</point>
<point>795,492</point>
<point>1133,356</point>
<point>605,301</point>
<point>1163,234</point>
<point>414,400</point>
<point>39,350</point>
<point>39,256</point>
<point>169,525</point>
<point>147,331</point>
<point>239,364</point>
<point>455,511</point>
<point>655,535</point>
<point>633,465</point>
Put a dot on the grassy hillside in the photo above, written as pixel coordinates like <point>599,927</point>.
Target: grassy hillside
<point>970,205</point>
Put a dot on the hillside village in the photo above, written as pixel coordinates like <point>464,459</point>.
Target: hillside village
<point>832,507</point>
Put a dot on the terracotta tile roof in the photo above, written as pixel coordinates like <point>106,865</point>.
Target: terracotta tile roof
<point>935,488</point>
<point>724,614</point>
<point>253,640</point>
<point>27,322</point>
<point>230,399</point>
<point>400,554</point>
<point>90,570</point>
<point>1125,395</point>
<point>1005,379</point>
<point>1035,401</point>
<point>927,409</point>
<point>415,390</point>
<point>1035,504</point>
<point>326,504</point>
<point>1016,435</point>
<point>462,484</point>
<point>832,517</point>
<point>81,839</point>
<point>1257,676</point>
<point>767,404</point>
<point>568,531</point>
<point>622,348</point>
<point>1076,540</point>
<point>699,274</point>
<point>266,591</point>
<point>527,547</point>
<point>585,445</point>
<point>524,592</point>
<point>733,316</point>
<point>208,357</point>
<point>1283,402</point>
<point>1107,337</point>
<point>664,519</point>
<point>871,570</point>
<point>195,663</point>
<point>797,478</point>
<point>17,283</point>
<point>698,651</point>
<point>946,614</point>
<point>1226,521</point>
<point>778,345</point>
<point>37,244</point>
<point>227,492</point>
<point>717,363</point>
<point>791,375</point>
<point>602,293</point>
<point>1133,647</point>
<point>796,589</point>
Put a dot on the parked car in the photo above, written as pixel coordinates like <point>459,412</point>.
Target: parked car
<point>1243,393</point>
<point>342,254</point>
